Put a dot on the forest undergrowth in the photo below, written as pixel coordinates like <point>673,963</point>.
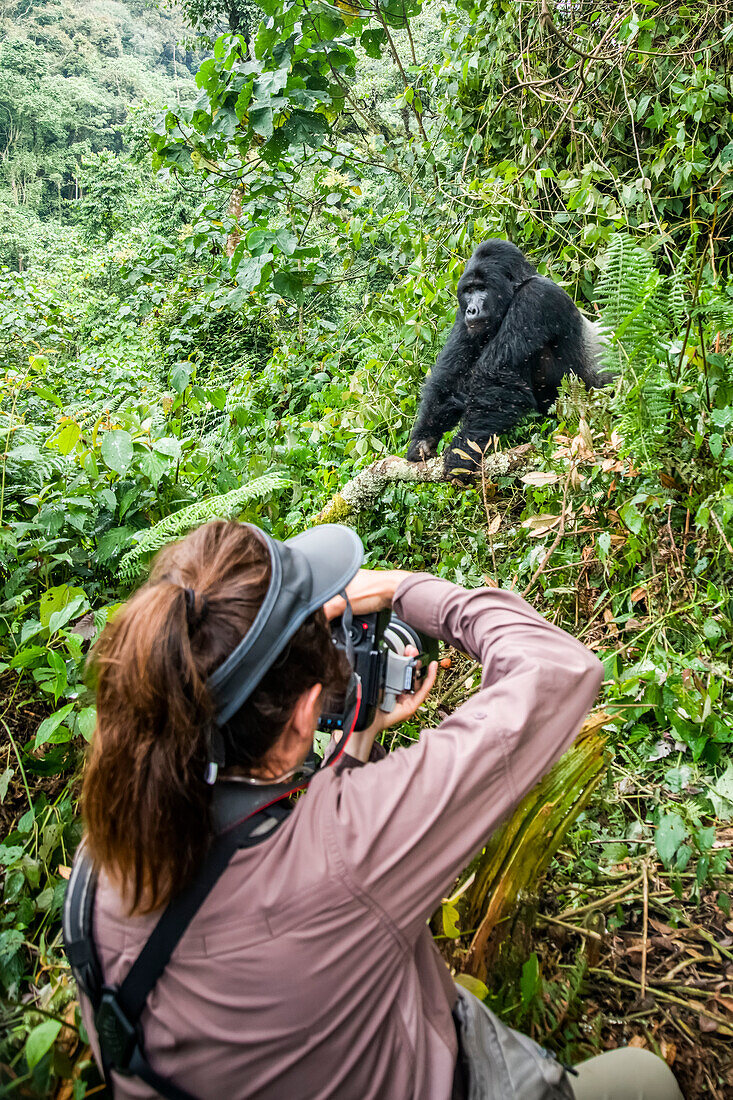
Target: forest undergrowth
<point>239,326</point>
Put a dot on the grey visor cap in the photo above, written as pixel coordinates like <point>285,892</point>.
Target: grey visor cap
<point>306,571</point>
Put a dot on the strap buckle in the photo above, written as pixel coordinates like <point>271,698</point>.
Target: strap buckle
<point>118,1036</point>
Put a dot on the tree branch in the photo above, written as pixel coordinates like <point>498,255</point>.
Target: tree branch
<point>366,487</point>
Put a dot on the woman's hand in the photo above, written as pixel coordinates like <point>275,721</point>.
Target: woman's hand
<point>370,590</point>
<point>360,743</point>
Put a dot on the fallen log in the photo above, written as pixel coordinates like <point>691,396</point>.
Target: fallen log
<point>366,487</point>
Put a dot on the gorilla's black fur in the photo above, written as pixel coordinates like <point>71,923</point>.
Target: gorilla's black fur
<point>515,335</point>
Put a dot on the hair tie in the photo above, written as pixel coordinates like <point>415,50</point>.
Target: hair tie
<point>194,618</point>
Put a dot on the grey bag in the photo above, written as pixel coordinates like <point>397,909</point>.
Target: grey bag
<point>503,1064</point>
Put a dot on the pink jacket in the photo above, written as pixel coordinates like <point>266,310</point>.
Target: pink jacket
<point>309,972</point>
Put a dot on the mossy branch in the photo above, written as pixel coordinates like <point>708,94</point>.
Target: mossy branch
<point>367,486</point>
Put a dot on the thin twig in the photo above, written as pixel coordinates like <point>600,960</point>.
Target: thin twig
<point>644,927</point>
<point>663,996</point>
<point>484,494</point>
<point>601,902</point>
<point>461,682</point>
<point>558,536</point>
<point>571,927</point>
<point>721,532</point>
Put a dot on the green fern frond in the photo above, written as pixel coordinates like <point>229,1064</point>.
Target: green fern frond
<point>28,464</point>
<point>634,307</point>
<point>646,418</point>
<point>224,506</point>
<point>572,400</point>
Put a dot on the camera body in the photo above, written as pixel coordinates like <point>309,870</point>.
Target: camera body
<point>376,644</point>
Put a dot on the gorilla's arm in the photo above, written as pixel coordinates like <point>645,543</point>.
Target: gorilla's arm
<point>501,392</point>
<point>443,396</point>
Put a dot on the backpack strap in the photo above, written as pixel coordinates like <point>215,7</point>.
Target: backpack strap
<point>118,1008</point>
<point>78,925</point>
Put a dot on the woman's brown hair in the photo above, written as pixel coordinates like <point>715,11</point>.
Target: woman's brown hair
<point>145,799</point>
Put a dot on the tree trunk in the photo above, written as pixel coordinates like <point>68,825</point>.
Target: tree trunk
<point>511,866</point>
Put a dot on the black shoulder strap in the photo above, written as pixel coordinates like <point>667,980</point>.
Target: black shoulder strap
<point>77,925</point>
<point>117,1009</point>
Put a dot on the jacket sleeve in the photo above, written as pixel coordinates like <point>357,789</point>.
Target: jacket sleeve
<point>405,826</point>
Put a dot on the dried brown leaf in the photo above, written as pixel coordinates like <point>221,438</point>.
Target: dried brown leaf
<point>639,1042</point>
<point>539,478</point>
<point>668,1051</point>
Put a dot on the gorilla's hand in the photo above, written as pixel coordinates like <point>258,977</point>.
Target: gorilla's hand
<point>460,462</point>
<point>420,450</point>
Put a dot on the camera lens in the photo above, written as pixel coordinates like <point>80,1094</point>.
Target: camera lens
<point>398,635</point>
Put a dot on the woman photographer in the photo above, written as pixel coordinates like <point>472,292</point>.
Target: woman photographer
<point>304,967</point>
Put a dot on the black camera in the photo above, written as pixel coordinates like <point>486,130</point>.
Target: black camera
<point>375,645</point>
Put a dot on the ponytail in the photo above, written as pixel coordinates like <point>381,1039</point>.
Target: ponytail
<point>146,804</point>
<point>145,800</point>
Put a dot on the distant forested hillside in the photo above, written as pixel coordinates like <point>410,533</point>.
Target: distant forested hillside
<point>69,72</point>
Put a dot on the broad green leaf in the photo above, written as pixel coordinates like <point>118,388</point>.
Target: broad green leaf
<point>721,794</point>
<point>40,1040</point>
<point>27,656</point>
<point>117,538</point>
<point>86,721</point>
<point>260,119</point>
<point>529,983</point>
<point>473,985</point>
<point>66,438</point>
<point>305,128</point>
<point>47,394</point>
<point>450,920</point>
<point>669,835</point>
<point>169,445</point>
<point>287,242</point>
<point>5,782</point>
<point>117,450</point>
<point>288,284</point>
<point>603,543</point>
<point>249,272</point>
<point>258,240</point>
<point>632,517</point>
<point>180,375</point>
<point>50,724</point>
<point>60,618</point>
<point>56,599</point>
<point>152,466</point>
<point>712,630</point>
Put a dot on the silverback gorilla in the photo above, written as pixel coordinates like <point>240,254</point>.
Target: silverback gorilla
<point>515,335</point>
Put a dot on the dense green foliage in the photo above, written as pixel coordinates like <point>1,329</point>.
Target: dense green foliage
<point>240,323</point>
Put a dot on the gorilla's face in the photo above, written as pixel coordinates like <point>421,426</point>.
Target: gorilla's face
<point>484,294</point>
<point>486,288</point>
